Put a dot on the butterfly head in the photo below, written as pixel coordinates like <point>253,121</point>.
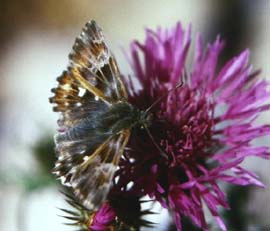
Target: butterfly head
<point>145,119</point>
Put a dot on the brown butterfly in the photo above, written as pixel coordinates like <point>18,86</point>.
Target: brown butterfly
<point>95,118</point>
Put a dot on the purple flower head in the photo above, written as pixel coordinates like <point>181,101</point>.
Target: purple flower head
<point>117,213</point>
<point>206,127</point>
<point>103,219</point>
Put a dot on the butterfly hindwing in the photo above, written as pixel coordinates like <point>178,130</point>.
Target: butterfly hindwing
<point>93,178</point>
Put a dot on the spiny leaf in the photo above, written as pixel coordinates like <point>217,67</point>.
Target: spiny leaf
<point>69,212</point>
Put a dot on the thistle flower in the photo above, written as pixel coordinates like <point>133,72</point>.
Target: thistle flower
<point>116,214</point>
<point>103,218</point>
<point>86,220</point>
<point>206,127</point>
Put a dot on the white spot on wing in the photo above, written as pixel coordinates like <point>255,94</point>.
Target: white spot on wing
<point>116,179</point>
<point>81,91</point>
<point>63,181</point>
<point>66,87</point>
<point>57,165</point>
<point>85,158</point>
<point>130,185</point>
<point>131,160</point>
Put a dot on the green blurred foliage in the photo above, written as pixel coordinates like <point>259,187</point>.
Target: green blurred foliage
<point>43,152</point>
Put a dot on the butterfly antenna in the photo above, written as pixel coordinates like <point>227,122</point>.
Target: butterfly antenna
<point>154,142</point>
<point>180,84</point>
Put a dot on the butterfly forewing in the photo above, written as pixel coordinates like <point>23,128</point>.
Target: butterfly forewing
<point>88,156</point>
<point>91,60</point>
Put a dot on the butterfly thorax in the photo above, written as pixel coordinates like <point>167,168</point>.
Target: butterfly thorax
<point>122,116</point>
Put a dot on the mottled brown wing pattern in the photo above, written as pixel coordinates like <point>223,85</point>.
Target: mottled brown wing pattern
<point>88,158</point>
<point>92,62</point>
<point>66,94</point>
<point>92,68</point>
<point>92,178</point>
<point>66,99</point>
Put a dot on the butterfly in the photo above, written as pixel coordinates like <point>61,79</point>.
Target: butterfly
<point>96,118</point>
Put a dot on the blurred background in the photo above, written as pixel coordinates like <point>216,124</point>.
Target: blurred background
<point>35,40</point>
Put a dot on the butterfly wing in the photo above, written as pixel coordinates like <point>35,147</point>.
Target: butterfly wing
<point>93,65</point>
<point>93,178</point>
<point>87,157</point>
